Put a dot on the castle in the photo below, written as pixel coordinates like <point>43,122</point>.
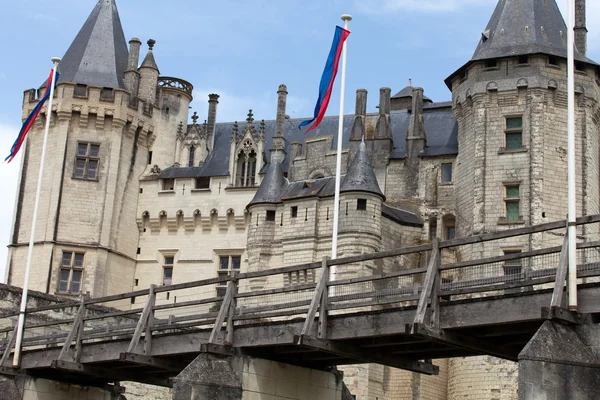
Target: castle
<point>134,196</point>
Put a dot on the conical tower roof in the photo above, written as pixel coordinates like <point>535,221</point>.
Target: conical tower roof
<point>272,187</point>
<point>98,55</point>
<point>521,27</point>
<point>407,92</point>
<point>361,176</point>
<point>149,61</point>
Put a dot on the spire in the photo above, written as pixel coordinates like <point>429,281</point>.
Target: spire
<point>361,176</point>
<point>272,187</point>
<point>149,61</point>
<point>98,55</point>
<point>521,27</point>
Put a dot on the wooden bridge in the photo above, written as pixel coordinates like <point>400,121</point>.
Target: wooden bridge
<point>425,309</point>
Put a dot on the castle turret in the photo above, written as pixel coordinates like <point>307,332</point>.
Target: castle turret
<point>149,76</point>
<point>98,144</point>
<point>132,76</point>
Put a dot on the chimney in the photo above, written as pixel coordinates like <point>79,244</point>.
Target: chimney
<point>213,100</point>
<point>384,127</point>
<point>281,105</point>
<point>416,139</point>
<point>278,147</point>
<point>132,76</point>
<point>295,150</point>
<point>580,27</point>
<point>358,129</point>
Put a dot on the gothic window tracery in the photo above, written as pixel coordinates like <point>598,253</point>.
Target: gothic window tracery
<point>246,166</point>
<point>192,153</point>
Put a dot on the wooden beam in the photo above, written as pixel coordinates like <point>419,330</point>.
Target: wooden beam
<point>430,278</point>
<point>9,347</point>
<point>456,340</point>
<point>143,321</point>
<point>216,349</point>
<point>316,300</point>
<point>565,316</point>
<point>230,314</point>
<point>561,273</point>
<point>149,361</point>
<point>366,356</point>
<point>110,375</point>
<point>323,306</point>
<point>9,371</point>
<point>222,312</point>
<point>77,325</point>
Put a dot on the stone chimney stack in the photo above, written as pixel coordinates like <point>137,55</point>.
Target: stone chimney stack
<point>213,100</point>
<point>384,126</point>
<point>277,150</point>
<point>358,129</point>
<point>149,76</point>
<point>295,150</point>
<point>580,27</point>
<point>132,76</point>
<point>416,138</point>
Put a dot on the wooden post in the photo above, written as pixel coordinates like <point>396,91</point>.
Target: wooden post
<point>77,323</point>
<point>222,312</point>
<point>322,331</point>
<point>78,339</point>
<point>316,300</point>
<point>148,308</point>
<point>561,273</point>
<point>231,314</point>
<point>9,346</point>
<point>430,277</point>
<point>150,323</point>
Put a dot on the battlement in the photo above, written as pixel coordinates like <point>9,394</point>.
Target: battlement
<point>180,85</point>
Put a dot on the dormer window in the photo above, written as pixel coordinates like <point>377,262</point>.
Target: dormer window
<point>192,153</point>
<point>523,60</point>
<point>553,60</point>
<point>246,168</point>
<point>491,64</point>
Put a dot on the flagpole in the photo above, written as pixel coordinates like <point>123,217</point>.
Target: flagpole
<point>572,228</point>
<point>338,170</point>
<point>18,342</point>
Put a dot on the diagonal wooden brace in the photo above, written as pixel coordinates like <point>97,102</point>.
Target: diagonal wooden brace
<point>561,273</point>
<point>147,313</point>
<point>74,333</point>
<point>9,348</point>
<point>427,292</point>
<point>224,311</point>
<point>317,302</point>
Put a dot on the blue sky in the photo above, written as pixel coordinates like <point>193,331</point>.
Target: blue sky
<point>243,50</point>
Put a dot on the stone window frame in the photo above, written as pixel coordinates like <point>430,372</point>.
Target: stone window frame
<point>201,187</point>
<point>513,131</point>
<point>164,186</point>
<point>191,155</point>
<point>488,66</point>
<point>506,220</point>
<point>270,215</point>
<point>294,211</point>
<point>246,164</point>
<point>230,269</point>
<point>512,265</point>
<point>449,227</point>
<point>361,204</point>
<point>447,182</point>
<point>72,267</point>
<point>88,158</point>
<point>521,58</point>
<point>168,266</point>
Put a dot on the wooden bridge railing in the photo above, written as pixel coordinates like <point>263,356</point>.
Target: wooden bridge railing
<point>412,276</point>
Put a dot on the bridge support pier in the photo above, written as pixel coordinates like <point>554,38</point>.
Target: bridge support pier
<point>561,362</point>
<point>220,377</point>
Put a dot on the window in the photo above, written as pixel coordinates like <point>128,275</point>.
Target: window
<point>168,184</point>
<point>449,227</point>
<point>523,60</point>
<point>168,270</point>
<point>202,183</point>
<point>512,267</point>
<point>579,66</point>
<point>228,266</point>
<point>192,154</point>
<point>80,91</point>
<point>87,160</point>
<point>149,157</point>
<point>246,167</point>
<point>71,272</point>
<point>447,173</point>
<point>271,215</point>
<point>514,133</point>
<point>361,204</point>
<point>552,60</point>
<point>493,63</point>
<point>512,201</point>
<point>294,211</point>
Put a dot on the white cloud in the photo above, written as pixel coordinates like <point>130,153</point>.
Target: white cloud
<point>44,17</point>
<point>430,6</point>
<point>8,182</point>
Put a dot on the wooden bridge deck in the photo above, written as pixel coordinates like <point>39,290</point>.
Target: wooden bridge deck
<point>402,318</point>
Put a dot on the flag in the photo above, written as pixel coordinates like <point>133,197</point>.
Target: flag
<point>329,73</point>
<point>31,119</point>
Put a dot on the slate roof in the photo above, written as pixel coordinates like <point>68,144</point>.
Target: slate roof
<point>360,176</point>
<point>520,27</point>
<point>440,125</point>
<point>149,61</point>
<point>272,188</point>
<point>401,216</point>
<point>407,92</point>
<point>98,55</point>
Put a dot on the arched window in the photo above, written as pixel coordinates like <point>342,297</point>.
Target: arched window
<point>191,157</point>
<point>246,169</point>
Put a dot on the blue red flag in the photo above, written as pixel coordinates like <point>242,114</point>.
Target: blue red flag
<point>329,73</point>
<point>31,119</point>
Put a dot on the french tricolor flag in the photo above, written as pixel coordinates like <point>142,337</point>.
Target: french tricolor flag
<point>31,118</point>
<point>326,85</point>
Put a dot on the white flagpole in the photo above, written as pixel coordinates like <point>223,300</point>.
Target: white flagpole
<point>18,342</point>
<point>338,170</point>
<point>572,228</point>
